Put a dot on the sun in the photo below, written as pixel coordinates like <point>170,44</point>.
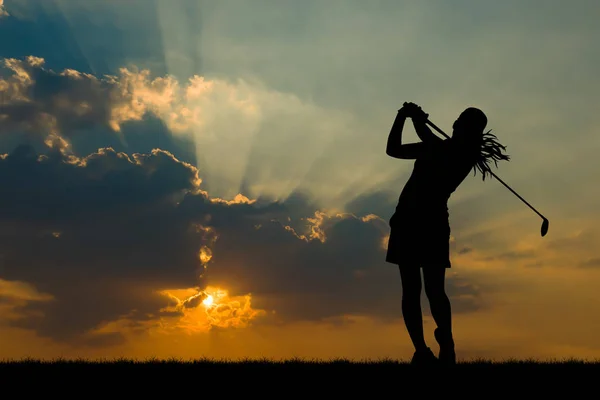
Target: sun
<point>197,310</point>
<point>208,301</point>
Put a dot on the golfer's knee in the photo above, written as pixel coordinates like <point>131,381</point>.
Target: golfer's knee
<point>435,293</point>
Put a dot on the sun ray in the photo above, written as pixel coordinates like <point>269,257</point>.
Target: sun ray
<point>67,17</point>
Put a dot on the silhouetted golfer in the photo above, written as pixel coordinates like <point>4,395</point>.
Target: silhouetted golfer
<point>420,228</point>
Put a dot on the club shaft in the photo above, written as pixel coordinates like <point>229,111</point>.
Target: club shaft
<point>494,175</point>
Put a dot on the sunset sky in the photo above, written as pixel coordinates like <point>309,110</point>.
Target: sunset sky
<point>203,178</point>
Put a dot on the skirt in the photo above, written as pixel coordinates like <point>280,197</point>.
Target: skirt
<point>419,241</point>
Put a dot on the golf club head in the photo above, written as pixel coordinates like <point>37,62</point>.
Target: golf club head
<point>545,227</point>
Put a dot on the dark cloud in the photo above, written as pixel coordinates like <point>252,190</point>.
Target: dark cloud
<point>581,240</point>
<point>92,232</point>
<point>512,255</point>
<point>465,250</point>
<point>137,137</point>
<point>44,100</point>
<point>591,263</point>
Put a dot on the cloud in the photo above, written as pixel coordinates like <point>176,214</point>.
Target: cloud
<point>3,12</point>
<point>465,250</point>
<point>59,105</point>
<point>21,291</point>
<point>509,255</point>
<point>14,296</point>
<point>591,263</point>
<point>90,220</point>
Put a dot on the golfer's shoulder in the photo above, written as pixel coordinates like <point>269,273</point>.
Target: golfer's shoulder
<point>436,144</point>
<point>454,147</point>
<point>442,146</point>
<point>441,142</point>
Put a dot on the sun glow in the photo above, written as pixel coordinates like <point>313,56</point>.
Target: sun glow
<point>208,301</point>
<point>200,310</point>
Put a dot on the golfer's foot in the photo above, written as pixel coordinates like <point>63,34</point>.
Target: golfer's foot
<point>424,357</point>
<point>447,355</point>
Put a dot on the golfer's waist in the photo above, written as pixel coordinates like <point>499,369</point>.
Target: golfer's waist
<point>423,205</point>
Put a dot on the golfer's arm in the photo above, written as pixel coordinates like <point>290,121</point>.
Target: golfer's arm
<point>423,131</point>
<point>394,142</point>
<point>397,149</point>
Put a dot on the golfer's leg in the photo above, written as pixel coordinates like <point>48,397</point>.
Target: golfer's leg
<point>411,305</point>
<point>434,279</point>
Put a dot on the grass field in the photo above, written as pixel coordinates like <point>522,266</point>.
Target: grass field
<point>296,364</point>
<point>293,365</point>
<point>293,362</point>
<point>557,377</point>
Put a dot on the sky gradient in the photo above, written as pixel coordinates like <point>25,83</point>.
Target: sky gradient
<point>203,178</point>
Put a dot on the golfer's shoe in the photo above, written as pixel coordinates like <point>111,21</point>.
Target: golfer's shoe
<point>424,358</point>
<point>447,355</point>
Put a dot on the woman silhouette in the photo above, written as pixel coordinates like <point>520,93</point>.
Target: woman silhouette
<point>420,229</point>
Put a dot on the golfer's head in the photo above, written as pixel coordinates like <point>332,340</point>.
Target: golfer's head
<point>470,124</point>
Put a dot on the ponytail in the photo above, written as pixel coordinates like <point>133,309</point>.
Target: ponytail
<point>490,150</point>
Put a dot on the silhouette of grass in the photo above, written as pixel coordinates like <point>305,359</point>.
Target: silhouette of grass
<point>298,377</point>
<point>292,362</point>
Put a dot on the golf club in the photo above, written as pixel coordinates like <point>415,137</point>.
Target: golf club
<point>545,222</point>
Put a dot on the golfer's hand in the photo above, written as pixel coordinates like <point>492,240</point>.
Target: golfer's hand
<point>414,111</point>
